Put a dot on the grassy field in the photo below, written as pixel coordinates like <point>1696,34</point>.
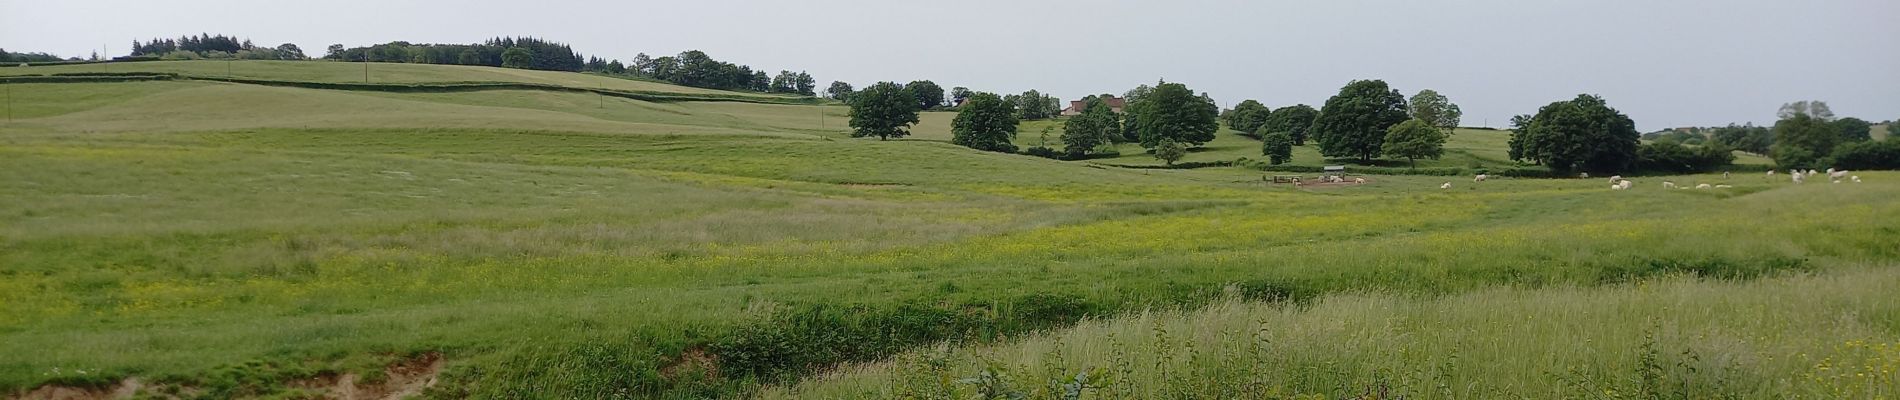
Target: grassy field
<point>223,240</point>
<point>346,72</point>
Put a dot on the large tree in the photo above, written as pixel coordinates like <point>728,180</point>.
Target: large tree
<point>1582,134</point>
<point>1097,125</point>
<point>1802,140</point>
<point>929,95</point>
<point>1854,129</point>
<point>1353,122</point>
<point>884,110</point>
<point>1294,120</point>
<point>1414,139</point>
<point>1436,109</point>
<point>1173,112</point>
<point>1277,146</point>
<point>1813,108</point>
<point>1033,105</point>
<point>1248,116</point>
<point>1131,122</point>
<point>839,91</point>
<point>987,123</point>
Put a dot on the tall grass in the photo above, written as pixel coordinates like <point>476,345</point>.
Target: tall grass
<point>1673,338</point>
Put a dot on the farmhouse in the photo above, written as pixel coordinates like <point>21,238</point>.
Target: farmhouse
<point>1114,103</point>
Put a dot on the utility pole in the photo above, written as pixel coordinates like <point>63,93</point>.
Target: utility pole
<point>365,66</point>
<point>9,86</point>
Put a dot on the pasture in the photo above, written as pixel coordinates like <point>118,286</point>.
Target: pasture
<point>226,240</point>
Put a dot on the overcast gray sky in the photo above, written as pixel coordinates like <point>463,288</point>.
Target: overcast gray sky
<point>1665,63</point>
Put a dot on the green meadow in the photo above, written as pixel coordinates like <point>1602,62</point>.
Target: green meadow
<point>216,240</point>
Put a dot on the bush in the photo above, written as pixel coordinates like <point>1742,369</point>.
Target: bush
<point>1672,157</point>
<point>1044,152</point>
<point>1868,155</point>
<point>181,55</point>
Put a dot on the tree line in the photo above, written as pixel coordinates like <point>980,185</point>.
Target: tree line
<point>10,58</point>
<point>203,46</point>
<point>528,53</point>
<point>697,69</point>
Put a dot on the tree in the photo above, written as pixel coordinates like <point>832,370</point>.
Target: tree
<point>1414,139</point>
<point>929,95</point>
<point>1249,116</point>
<point>1169,151</point>
<point>1749,138</point>
<point>1294,120</point>
<point>988,123</point>
<point>1277,146</point>
<point>516,57</point>
<point>1097,125</point>
<point>1436,109</point>
<point>1130,122</point>
<point>957,94</point>
<point>839,91</point>
<point>1673,157</point>
<point>804,84</point>
<point>884,110</point>
<point>1893,130</point>
<point>1813,108</point>
<point>1854,129</point>
<point>1175,114</point>
<point>785,82</point>
<point>1802,140</point>
<point>1032,105</point>
<point>334,52</point>
<point>1582,134</point>
<point>290,51</point>
<point>1354,122</point>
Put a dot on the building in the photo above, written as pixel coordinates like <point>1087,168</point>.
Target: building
<point>1114,103</point>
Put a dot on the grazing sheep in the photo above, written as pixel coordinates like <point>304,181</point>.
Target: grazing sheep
<point>1856,178</point>
<point>1723,186</point>
<point>1812,172</point>
<point>1724,174</point>
<point>1669,185</point>
<point>1836,175</point>
<point>1584,175</point>
<point>1447,185</point>
<point>1797,178</point>
<point>1480,178</point>
<point>1771,173</point>
<point>1615,179</point>
<point>1358,181</point>
<point>1830,171</point>
<point>1627,184</point>
<point>1703,186</point>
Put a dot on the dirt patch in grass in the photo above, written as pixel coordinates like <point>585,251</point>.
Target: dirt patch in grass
<point>403,379</point>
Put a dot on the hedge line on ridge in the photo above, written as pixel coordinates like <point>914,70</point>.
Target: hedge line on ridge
<point>448,87</point>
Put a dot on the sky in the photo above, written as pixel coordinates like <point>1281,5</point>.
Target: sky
<point>1665,63</point>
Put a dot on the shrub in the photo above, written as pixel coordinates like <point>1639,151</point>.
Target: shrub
<point>1868,155</point>
<point>181,55</point>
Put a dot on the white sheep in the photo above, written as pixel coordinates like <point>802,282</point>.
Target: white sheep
<point>1627,184</point>
<point>1584,175</point>
<point>1616,187</point>
<point>1797,178</point>
<point>1723,186</point>
<point>1724,174</point>
<point>1669,185</point>
<point>1358,181</point>
<point>1830,171</point>
<point>1771,173</point>
<point>1615,179</point>
<point>1812,172</point>
<point>1703,186</point>
<point>1856,178</point>
<point>1447,185</point>
<point>1480,178</point>
<point>1836,175</point>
